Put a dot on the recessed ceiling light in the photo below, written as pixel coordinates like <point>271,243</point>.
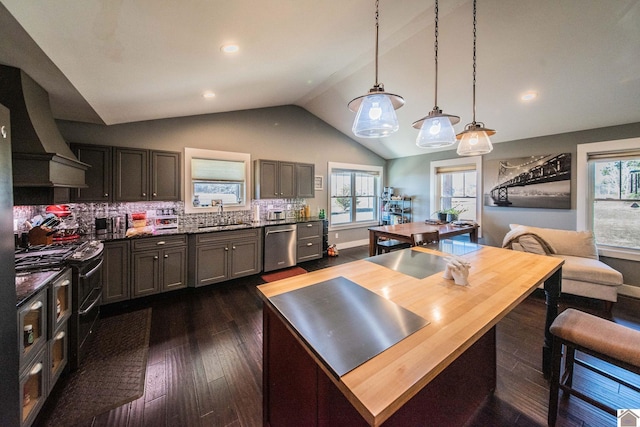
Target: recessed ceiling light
<point>529,96</point>
<point>230,48</point>
<point>208,94</point>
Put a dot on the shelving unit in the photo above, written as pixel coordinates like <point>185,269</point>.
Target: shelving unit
<point>395,210</point>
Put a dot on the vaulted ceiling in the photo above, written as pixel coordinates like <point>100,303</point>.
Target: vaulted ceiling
<point>117,61</point>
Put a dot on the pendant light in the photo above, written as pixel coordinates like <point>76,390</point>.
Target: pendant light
<point>436,129</point>
<point>474,140</point>
<point>376,115</point>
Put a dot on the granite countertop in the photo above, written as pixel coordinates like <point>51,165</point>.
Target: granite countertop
<point>204,229</point>
<point>30,283</point>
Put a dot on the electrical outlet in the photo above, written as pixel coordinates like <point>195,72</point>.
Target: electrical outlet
<point>336,235</point>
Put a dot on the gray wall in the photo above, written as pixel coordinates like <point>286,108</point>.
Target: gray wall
<point>280,133</point>
<point>410,176</point>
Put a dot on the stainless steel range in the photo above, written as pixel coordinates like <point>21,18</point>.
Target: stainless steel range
<point>85,260</point>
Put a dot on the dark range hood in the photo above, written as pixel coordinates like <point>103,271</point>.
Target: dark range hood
<point>44,168</point>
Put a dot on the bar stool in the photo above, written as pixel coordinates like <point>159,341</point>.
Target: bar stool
<point>600,338</point>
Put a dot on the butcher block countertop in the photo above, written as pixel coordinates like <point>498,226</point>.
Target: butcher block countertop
<point>457,317</point>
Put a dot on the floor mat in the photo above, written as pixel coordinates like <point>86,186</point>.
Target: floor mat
<point>112,374</point>
<point>283,274</point>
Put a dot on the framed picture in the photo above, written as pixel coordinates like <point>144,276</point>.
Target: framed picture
<point>319,183</point>
<point>529,182</point>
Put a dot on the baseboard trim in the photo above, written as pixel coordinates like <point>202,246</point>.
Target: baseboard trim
<point>629,291</point>
<point>352,244</point>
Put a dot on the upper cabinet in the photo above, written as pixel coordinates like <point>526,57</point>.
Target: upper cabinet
<point>283,180</point>
<point>98,177</point>
<point>131,175</point>
<point>120,174</point>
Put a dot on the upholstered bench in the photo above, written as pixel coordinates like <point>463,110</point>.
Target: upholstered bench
<point>600,338</point>
<point>583,274</point>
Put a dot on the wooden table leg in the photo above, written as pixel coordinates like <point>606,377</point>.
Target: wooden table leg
<point>372,242</point>
<point>552,294</point>
<point>473,236</point>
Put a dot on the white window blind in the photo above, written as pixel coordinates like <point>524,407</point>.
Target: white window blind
<point>217,170</point>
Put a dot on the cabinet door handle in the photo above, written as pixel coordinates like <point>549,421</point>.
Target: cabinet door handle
<point>226,248</point>
<point>309,244</point>
<point>166,256</point>
<point>161,242</point>
<point>155,257</point>
<point>64,283</point>
<point>36,369</point>
<point>144,194</point>
<point>233,247</point>
<point>36,305</point>
<point>60,335</point>
<point>154,194</point>
<point>106,194</point>
<point>309,225</point>
<point>3,131</point>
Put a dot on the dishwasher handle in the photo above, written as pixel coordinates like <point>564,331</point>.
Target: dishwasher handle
<point>288,230</point>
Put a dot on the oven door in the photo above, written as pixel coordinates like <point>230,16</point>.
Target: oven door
<point>88,314</point>
<point>89,278</point>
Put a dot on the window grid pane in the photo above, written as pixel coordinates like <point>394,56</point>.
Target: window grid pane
<point>353,197</point>
<point>615,207</point>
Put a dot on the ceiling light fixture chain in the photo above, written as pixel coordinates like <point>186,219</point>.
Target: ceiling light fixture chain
<point>377,39</point>
<point>435,48</point>
<point>436,128</point>
<point>474,140</point>
<point>376,116</point>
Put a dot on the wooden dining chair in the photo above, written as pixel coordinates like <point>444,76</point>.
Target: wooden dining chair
<point>420,239</point>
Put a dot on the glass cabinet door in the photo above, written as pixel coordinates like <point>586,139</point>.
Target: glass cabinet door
<point>32,327</point>
<point>33,386</point>
<point>60,301</point>
<point>58,354</point>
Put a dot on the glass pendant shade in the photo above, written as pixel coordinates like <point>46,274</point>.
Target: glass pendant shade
<point>376,117</point>
<point>474,141</point>
<point>436,131</point>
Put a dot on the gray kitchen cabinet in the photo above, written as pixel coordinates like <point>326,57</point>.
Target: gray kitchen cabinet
<point>115,274</point>
<point>309,243</point>
<point>159,264</point>
<point>220,256</point>
<point>165,175</point>
<point>305,180</point>
<point>146,175</point>
<point>274,179</point>
<point>98,177</point>
<point>131,182</point>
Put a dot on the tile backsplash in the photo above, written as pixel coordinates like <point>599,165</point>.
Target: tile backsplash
<point>85,213</point>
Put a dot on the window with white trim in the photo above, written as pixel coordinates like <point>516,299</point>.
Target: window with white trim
<point>608,200</point>
<point>354,193</point>
<point>214,178</point>
<point>456,183</point>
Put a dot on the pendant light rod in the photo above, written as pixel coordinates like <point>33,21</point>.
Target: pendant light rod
<point>474,60</point>
<point>375,111</point>
<point>474,140</point>
<point>436,128</point>
<point>377,32</point>
<point>435,48</point>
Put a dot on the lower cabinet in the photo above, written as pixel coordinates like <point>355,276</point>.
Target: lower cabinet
<point>43,343</point>
<point>115,274</point>
<point>309,245</point>
<point>219,256</point>
<point>159,264</point>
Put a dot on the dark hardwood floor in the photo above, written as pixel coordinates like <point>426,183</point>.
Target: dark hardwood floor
<point>205,362</point>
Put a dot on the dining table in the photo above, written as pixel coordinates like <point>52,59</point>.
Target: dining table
<point>403,232</point>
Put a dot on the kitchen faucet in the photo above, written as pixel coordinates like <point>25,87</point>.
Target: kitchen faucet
<point>218,203</point>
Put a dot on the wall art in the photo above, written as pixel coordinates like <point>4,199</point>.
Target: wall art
<point>542,181</point>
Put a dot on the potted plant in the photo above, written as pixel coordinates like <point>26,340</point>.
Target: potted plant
<point>450,214</point>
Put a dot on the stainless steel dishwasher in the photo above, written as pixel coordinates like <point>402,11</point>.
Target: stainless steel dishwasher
<point>280,246</point>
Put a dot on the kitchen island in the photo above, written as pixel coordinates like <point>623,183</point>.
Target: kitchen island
<point>438,374</point>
